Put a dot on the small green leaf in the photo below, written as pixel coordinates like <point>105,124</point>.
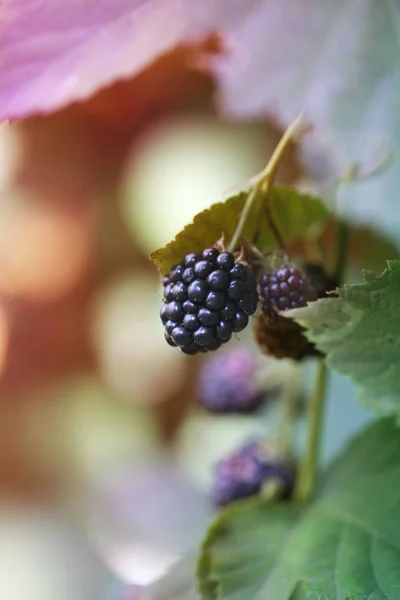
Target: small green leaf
<point>345,546</point>
<point>293,213</point>
<point>360,334</point>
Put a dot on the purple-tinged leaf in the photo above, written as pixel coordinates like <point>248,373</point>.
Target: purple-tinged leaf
<point>54,52</point>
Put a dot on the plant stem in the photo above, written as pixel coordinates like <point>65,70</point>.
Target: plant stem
<point>263,182</point>
<point>290,405</point>
<point>309,465</point>
<point>251,198</point>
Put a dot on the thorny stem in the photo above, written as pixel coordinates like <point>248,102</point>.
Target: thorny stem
<point>264,181</point>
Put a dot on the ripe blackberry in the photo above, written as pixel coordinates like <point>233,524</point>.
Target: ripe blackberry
<point>248,471</point>
<point>230,382</point>
<point>282,289</point>
<point>207,297</point>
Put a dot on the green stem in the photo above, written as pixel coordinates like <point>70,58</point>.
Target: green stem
<point>308,468</point>
<point>251,198</point>
<point>309,465</point>
<point>290,403</point>
<point>263,182</point>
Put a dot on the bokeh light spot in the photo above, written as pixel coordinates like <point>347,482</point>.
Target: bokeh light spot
<point>180,167</point>
<point>44,249</point>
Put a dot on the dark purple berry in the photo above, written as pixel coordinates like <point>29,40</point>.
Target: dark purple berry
<point>179,291</point>
<point>202,269</point>
<point>163,313</point>
<point>191,349</point>
<point>239,271</point>
<point>189,307</point>
<point>176,272</point>
<point>225,261</point>
<point>218,280</point>
<point>175,311</point>
<point>181,336</point>
<point>228,382</point>
<point>210,254</point>
<point>169,326</point>
<point>188,275</point>
<point>166,280</point>
<point>236,290</point>
<point>236,477</point>
<point>283,303</point>
<point>203,336</point>
<point>224,330</point>
<point>169,340</point>
<point>197,291</point>
<point>252,304</point>
<point>274,290</point>
<point>208,317</point>
<point>243,303</point>
<point>215,300</point>
<point>240,321</point>
<point>284,288</point>
<point>229,311</point>
<point>251,285</point>
<point>190,259</point>
<point>168,295</point>
<point>214,344</point>
<point>191,322</point>
<point>282,274</point>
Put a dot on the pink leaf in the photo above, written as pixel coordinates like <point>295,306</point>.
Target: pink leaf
<point>53,52</point>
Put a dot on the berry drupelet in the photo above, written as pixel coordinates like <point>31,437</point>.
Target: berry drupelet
<point>245,473</point>
<point>207,298</point>
<point>229,382</point>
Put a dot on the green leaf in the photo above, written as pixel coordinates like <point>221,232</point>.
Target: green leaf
<point>293,213</point>
<point>242,547</point>
<point>345,546</point>
<point>360,334</point>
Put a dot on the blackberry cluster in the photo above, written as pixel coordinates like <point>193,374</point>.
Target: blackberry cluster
<point>207,297</point>
<point>288,287</point>
<point>248,470</point>
<point>229,382</point>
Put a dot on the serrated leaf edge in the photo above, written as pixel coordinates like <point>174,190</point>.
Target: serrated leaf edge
<point>279,188</point>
